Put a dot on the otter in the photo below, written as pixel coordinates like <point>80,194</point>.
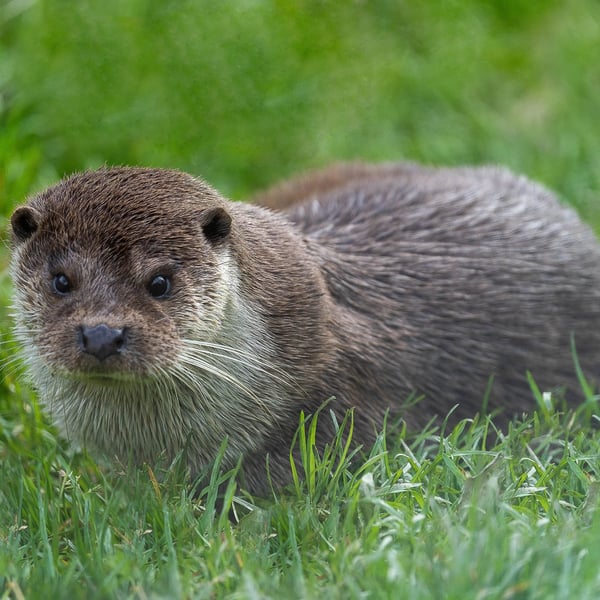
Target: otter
<point>157,317</point>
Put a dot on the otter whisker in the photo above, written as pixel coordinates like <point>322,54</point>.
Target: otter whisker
<point>218,372</point>
<point>242,358</point>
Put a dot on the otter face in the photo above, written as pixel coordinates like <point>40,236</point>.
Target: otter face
<point>112,268</point>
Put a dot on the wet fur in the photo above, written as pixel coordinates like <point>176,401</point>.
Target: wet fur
<point>368,283</point>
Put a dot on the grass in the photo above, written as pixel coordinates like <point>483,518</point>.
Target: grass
<point>433,516</point>
<point>245,93</point>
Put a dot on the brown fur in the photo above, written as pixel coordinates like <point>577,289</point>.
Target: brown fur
<point>376,281</point>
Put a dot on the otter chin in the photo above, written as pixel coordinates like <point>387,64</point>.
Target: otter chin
<point>156,317</point>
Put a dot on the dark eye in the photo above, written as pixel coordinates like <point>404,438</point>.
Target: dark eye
<point>159,286</point>
<point>61,284</point>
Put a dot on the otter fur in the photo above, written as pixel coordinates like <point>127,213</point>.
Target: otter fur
<point>156,316</point>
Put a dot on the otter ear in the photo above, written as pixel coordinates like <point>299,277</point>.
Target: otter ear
<point>216,224</point>
<point>25,221</point>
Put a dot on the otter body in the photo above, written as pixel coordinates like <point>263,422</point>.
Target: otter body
<point>156,316</point>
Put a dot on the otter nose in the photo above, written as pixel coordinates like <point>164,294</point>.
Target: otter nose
<point>101,341</point>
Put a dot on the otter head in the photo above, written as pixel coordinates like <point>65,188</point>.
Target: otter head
<point>112,267</point>
<point>123,279</point>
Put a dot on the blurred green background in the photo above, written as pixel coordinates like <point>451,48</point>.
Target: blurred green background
<point>246,92</point>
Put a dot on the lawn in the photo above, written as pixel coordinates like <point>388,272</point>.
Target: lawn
<point>244,93</point>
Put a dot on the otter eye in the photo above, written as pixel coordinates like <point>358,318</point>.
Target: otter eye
<point>159,286</point>
<point>61,284</point>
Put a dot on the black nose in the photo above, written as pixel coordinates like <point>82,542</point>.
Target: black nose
<point>101,341</point>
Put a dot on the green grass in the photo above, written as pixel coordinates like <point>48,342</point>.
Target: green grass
<point>245,93</point>
<point>453,516</point>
